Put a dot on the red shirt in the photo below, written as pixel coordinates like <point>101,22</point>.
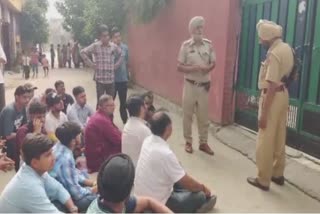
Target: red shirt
<point>102,139</point>
<point>21,135</point>
<point>34,58</point>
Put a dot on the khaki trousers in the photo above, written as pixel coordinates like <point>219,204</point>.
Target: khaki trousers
<point>195,100</point>
<point>272,140</point>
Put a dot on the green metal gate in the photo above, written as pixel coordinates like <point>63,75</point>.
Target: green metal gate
<point>300,20</point>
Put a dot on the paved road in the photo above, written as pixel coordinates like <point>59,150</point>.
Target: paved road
<point>225,173</point>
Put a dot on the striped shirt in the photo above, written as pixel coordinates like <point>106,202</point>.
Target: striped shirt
<point>67,174</point>
<point>104,64</point>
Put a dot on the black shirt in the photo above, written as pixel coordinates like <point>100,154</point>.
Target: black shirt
<point>67,100</point>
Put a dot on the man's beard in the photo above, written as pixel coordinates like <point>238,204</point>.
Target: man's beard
<point>265,46</point>
<point>197,37</point>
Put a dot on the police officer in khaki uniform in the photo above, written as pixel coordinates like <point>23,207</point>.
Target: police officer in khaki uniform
<point>196,60</point>
<point>273,106</point>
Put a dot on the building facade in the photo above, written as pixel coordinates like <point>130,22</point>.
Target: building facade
<point>10,11</point>
<point>154,50</point>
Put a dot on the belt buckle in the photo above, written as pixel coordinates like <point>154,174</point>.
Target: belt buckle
<point>198,84</point>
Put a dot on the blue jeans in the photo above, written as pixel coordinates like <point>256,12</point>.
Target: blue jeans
<point>34,70</point>
<point>84,202</point>
<point>184,201</point>
<point>60,206</point>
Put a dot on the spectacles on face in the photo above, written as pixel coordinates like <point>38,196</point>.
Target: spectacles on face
<point>110,105</point>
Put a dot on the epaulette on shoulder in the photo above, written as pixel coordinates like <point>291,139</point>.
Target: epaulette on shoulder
<point>187,42</point>
<point>207,40</point>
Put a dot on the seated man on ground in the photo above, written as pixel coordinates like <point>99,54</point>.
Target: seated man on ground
<point>35,125</point>
<point>136,129</point>
<point>40,98</point>
<point>80,111</point>
<point>160,175</point>
<point>12,117</point>
<point>148,99</point>
<point>66,98</point>
<point>102,136</point>
<point>80,187</point>
<point>115,182</point>
<point>55,116</point>
<point>32,189</point>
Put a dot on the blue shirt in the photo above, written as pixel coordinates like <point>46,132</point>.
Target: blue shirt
<point>121,74</point>
<point>28,192</point>
<point>79,115</point>
<point>67,174</point>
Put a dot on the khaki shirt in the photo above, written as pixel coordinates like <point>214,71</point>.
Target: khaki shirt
<point>202,55</point>
<point>278,64</point>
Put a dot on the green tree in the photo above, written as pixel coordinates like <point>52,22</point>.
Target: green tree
<point>74,20</point>
<point>109,12</point>
<point>146,10</point>
<point>82,17</point>
<point>34,24</point>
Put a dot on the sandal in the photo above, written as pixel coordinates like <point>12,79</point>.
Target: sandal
<point>188,148</point>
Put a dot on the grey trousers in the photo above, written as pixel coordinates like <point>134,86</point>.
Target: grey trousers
<point>84,202</point>
<point>184,201</point>
<point>104,89</point>
<point>2,96</point>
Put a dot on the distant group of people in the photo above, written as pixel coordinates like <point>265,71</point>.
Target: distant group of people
<point>66,54</point>
<point>31,62</point>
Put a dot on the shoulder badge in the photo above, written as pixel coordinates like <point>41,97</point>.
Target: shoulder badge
<point>207,40</point>
<point>187,42</point>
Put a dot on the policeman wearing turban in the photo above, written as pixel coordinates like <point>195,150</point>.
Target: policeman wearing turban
<point>273,106</point>
<point>196,60</point>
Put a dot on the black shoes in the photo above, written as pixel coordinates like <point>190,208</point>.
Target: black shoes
<point>254,182</point>
<point>278,180</point>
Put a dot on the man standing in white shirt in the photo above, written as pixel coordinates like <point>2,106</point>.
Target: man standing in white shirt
<point>159,174</point>
<point>3,60</point>
<point>135,131</point>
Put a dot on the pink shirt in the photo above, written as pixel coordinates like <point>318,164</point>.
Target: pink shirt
<point>34,58</point>
<point>45,62</point>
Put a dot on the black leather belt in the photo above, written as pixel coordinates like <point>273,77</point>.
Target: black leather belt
<point>279,89</point>
<point>199,84</point>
